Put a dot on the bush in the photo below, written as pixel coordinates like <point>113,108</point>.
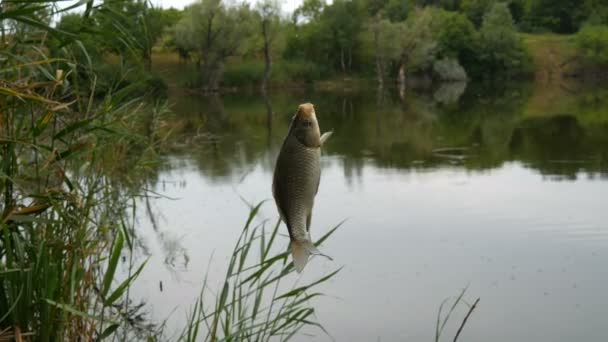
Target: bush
<point>297,71</point>
<point>458,39</point>
<point>592,41</point>
<point>243,73</point>
<point>448,69</point>
<point>250,72</point>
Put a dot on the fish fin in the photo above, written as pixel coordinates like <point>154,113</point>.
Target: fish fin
<point>325,136</point>
<point>301,250</point>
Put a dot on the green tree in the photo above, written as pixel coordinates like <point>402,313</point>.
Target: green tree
<point>268,16</point>
<point>386,37</point>
<point>417,43</point>
<point>561,16</point>
<point>458,40</point>
<point>331,40</point>
<point>502,51</point>
<point>475,9</point>
<point>397,10</point>
<point>592,40</point>
<point>341,23</point>
<point>308,11</point>
<point>81,29</point>
<point>595,12</point>
<point>137,20</point>
<point>214,32</point>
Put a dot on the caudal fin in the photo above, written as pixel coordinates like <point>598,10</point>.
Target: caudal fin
<point>301,250</point>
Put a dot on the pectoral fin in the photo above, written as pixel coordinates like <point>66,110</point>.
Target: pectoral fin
<point>325,136</point>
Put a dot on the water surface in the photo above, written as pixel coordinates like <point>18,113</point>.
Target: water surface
<point>499,189</point>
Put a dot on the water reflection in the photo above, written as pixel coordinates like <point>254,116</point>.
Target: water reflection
<point>443,189</point>
<point>227,134</point>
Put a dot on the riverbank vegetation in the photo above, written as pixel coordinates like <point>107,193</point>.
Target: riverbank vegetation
<point>388,42</point>
<point>80,136</point>
<point>218,44</point>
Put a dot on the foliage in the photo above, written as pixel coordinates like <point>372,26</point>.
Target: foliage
<point>502,51</point>
<point>64,217</point>
<point>475,9</point>
<point>563,16</point>
<point>449,69</point>
<point>310,10</point>
<point>592,41</point>
<point>340,24</point>
<point>141,24</point>
<point>458,39</point>
<point>213,32</point>
<point>358,36</point>
<point>397,10</point>
<point>269,22</point>
<point>253,304</point>
<point>71,168</point>
<point>105,42</point>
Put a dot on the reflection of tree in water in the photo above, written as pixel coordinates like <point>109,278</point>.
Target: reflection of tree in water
<point>380,128</point>
<point>449,92</point>
<point>171,247</point>
<point>559,145</point>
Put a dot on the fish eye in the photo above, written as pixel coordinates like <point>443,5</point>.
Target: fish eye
<point>306,123</point>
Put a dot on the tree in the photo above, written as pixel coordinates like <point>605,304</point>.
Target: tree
<point>310,10</point>
<point>501,48</point>
<point>78,26</point>
<point>215,32</point>
<point>457,39</point>
<point>592,40</point>
<point>397,10</point>
<point>268,12</point>
<point>475,9</point>
<point>341,23</point>
<point>139,23</point>
<point>386,36</point>
<point>330,40</point>
<point>417,44</point>
<point>562,16</point>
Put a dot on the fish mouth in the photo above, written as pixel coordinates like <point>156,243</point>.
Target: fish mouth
<point>306,111</point>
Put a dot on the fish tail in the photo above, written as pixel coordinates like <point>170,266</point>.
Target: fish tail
<point>301,250</point>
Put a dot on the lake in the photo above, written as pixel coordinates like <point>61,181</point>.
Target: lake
<point>500,189</point>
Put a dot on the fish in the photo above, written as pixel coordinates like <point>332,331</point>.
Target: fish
<point>296,180</point>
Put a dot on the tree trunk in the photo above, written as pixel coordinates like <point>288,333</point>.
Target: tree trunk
<point>267,56</point>
<point>401,80</point>
<point>350,59</point>
<point>268,118</point>
<point>342,60</point>
<point>216,76</point>
<point>379,57</point>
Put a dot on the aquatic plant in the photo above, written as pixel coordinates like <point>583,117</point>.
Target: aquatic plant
<point>254,304</point>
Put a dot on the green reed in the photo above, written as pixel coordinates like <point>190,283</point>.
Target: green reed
<point>443,321</point>
<point>64,216</point>
<point>72,165</point>
<point>253,304</point>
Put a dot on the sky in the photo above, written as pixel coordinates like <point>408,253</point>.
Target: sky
<point>286,5</point>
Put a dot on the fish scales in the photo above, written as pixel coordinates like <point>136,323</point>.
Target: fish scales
<point>296,181</point>
<point>299,166</point>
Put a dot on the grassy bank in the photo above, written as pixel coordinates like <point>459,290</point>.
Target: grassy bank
<point>239,74</point>
<point>560,56</point>
<point>554,55</point>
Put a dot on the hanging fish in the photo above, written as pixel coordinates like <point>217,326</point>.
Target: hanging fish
<point>296,181</point>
